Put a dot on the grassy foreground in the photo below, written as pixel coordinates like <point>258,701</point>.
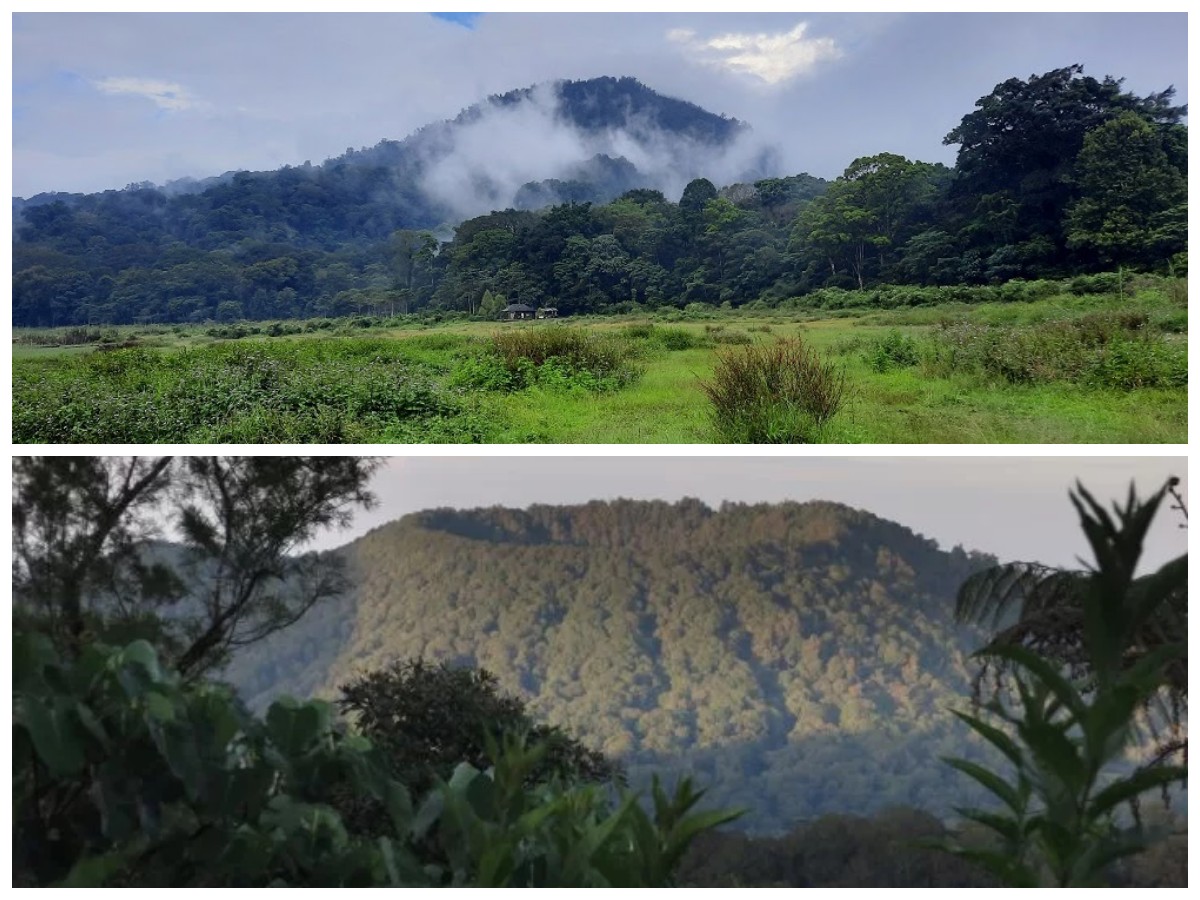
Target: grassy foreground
<point>1064,369</point>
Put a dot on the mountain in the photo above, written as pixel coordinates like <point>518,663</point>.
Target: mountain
<point>798,658</point>
<point>442,173</point>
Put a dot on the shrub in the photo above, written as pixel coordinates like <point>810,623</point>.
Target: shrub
<point>678,339</point>
<point>325,391</point>
<point>778,393</point>
<point>561,357</point>
<point>1103,349</point>
<point>666,337</point>
<point>893,351</point>
<point>126,775</point>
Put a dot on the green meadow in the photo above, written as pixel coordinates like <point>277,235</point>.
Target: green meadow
<point>1066,368</point>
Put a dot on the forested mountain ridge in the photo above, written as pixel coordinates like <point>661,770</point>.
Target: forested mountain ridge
<point>1057,175</point>
<point>799,658</point>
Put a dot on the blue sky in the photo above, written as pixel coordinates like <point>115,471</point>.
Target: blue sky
<point>1013,507</point>
<point>103,99</point>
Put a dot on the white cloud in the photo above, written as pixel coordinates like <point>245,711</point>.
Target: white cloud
<point>772,57</point>
<point>163,94</point>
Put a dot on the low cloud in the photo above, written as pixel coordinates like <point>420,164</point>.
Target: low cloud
<point>479,165</point>
<point>163,94</point>
<point>771,57</point>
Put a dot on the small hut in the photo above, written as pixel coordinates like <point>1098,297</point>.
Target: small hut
<point>547,312</point>
<point>517,311</point>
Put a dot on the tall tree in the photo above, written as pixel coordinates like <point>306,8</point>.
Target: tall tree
<point>1022,141</point>
<point>1131,195</point>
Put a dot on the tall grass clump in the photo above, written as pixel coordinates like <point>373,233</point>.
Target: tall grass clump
<point>555,357</point>
<point>781,393</point>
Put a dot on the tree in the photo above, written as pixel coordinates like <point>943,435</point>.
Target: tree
<point>197,554</point>
<point>411,253</point>
<point>428,718</point>
<point>1128,191</point>
<point>698,192</point>
<point>1022,141</point>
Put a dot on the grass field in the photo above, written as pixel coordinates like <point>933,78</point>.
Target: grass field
<point>1064,369</point>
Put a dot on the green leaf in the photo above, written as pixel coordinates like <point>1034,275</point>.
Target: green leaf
<point>1007,828</point>
<point>686,829</point>
<point>994,736</point>
<point>1008,794</point>
<point>53,737</point>
<point>293,727</point>
<point>1043,670</point>
<point>93,871</point>
<point>1056,754</point>
<point>142,654</point>
<point>431,811</point>
<point>1146,673</point>
<point>464,773</point>
<point>32,654</point>
<point>1136,784</point>
<point>159,707</point>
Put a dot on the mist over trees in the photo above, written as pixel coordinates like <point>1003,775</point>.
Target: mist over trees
<point>1039,189</point>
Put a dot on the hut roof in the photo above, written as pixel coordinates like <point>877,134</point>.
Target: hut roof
<point>518,307</point>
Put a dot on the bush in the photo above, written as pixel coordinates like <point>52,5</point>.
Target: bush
<point>1103,349</point>
<point>327,391</point>
<point>665,337</point>
<point>893,351</point>
<point>126,775</point>
<point>559,357</point>
<point>778,393</point>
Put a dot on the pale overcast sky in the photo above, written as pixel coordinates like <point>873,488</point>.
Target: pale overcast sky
<point>104,99</point>
<point>1013,507</point>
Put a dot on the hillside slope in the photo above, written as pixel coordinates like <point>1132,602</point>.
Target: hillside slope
<point>799,658</point>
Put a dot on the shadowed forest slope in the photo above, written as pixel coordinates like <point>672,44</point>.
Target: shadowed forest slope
<point>799,658</point>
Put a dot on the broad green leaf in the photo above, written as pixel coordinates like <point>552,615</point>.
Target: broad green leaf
<point>430,812</point>
<point>56,742</point>
<point>160,707</point>
<point>464,773</point>
<point>142,654</point>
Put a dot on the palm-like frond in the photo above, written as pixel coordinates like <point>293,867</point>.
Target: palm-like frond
<point>1042,608</point>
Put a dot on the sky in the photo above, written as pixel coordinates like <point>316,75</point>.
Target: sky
<point>102,100</point>
<point>1016,508</point>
